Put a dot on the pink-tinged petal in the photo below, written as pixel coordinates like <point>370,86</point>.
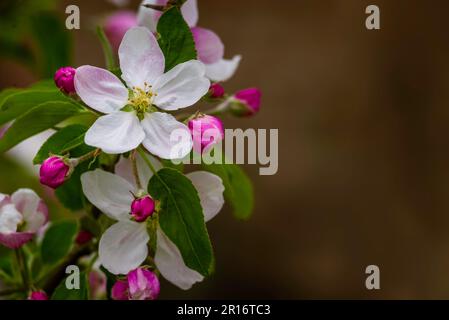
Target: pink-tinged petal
<point>115,133</point>
<point>143,285</point>
<point>170,263</point>
<point>123,247</point>
<point>33,209</point>
<point>16,239</point>
<point>120,290</point>
<point>208,45</point>
<point>10,219</point>
<point>147,17</point>
<point>4,199</point>
<point>165,136</point>
<point>182,86</point>
<point>100,89</point>
<point>109,193</point>
<point>222,70</point>
<point>116,26</point>
<point>141,58</point>
<point>189,11</point>
<point>210,190</point>
<point>123,168</point>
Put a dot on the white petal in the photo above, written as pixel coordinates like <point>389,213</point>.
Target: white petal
<point>190,12</point>
<point>123,168</point>
<point>123,247</point>
<point>222,70</point>
<point>149,17</point>
<point>182,86</point>
<point>210,190</point>
<point>141,58</point>
<point>33,209</point>
<point>165,136</point>
<point>108,192</point>
<point>100,89</point>
<point>169,261</point>
<point>115,133</point>
<point>10,218</point>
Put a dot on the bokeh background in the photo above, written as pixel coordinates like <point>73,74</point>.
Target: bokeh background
<point>363,152</point>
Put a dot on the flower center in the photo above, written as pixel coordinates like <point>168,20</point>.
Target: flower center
<point>142,99</point>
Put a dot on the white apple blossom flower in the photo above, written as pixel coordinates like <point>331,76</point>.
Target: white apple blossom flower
<point>150,90</point>
<point>208,45</point>
<point>22,215</point>
<point>123,247</point>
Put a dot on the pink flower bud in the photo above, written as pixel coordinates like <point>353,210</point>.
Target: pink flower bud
<point>142,208</point>
<point>54,171</point>
<point>143,285</point>
<point>38,295</point>
<point>140,284</point>
<point>206,131</point>
<point>83,237</point>
<point>120,290</point>
<point>97,284</point>
<point>64,79</point>
<point>248,102</point>
<point>116,26</point>
<point>216,90</point>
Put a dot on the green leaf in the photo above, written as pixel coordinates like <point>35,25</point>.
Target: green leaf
<point>238,188</point>
<point>62,293</point>
<point>63,141</point>
<point>15,102</point>
<point>176,39</point>
<point>181,218</point>
<point>58,241</point>
<point>53,41</point>
<point>38,119</point>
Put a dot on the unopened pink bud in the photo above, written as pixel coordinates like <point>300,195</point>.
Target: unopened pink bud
<point>140,284</point>
<point>38,295</point>
<point>216,90</point>
<point>64,79</point>
<point>53,172</point>
<point>116,26</point>
<point>248,102</point>
<point>83,237</point>
<point>206,131</point>
<point>142,208</point>
<point>120,290</point>
<point>143,285</point>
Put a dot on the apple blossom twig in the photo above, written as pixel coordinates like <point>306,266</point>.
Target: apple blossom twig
<point>23,268</point>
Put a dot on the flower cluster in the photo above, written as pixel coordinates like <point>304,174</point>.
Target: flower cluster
<point>143,217</point>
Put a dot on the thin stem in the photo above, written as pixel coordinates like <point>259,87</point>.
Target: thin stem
<point>23,268</point>
<point>147,161</point>
<point>87,156</point>
<point>107,49</point>
<point>135,172</point>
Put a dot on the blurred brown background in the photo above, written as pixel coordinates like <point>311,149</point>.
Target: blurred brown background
<point>363,150</point>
